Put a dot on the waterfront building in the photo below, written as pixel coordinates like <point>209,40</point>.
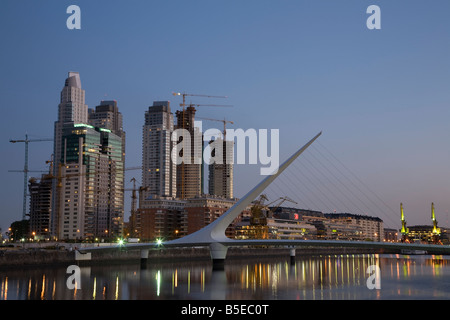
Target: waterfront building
<point>202,210</point>
<point>371,228</point>
<point>390,235</point>
<point>294,213</point>
<point>169,218</point>
<point>275,228</point>
<point>158,170</point>
<point>91,202</point>
<point>71,109</point>
<point>426,234</point>
<point>162,218</point>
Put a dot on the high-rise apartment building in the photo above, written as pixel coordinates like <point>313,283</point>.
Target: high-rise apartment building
<point>88,197</point>
<point>91,202</point>
<point>71,109</point>
<point>190,175</point>
<point>158,170</point>
<point>107,116</point>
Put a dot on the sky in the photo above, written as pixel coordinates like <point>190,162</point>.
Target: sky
<point>380,97</point>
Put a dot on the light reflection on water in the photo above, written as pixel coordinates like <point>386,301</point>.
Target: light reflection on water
<point>310,278</point>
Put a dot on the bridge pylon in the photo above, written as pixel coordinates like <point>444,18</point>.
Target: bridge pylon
<point>214,233</point>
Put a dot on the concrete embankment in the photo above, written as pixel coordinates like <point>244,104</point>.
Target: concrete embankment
<point>36,257</point>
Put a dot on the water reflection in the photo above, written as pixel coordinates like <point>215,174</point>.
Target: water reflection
<point>312,277</point>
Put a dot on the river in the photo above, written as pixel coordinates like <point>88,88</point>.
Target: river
<point>324,277</point>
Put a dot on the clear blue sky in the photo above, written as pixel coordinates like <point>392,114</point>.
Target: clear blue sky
<point>381,97</point>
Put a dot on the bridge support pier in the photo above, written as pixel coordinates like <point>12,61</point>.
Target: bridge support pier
<point>218,254</point>
<point>292,255</point>
<point>144,258</point>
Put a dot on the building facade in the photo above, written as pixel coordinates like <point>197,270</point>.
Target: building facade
<point>91,177</point>
<point>220,175</point>
<point>40,206</point>
<point>158,169</point>
<point>370,228</point>
<point>169,218</point>
<point>189,181</point>
<point>71,109</point>
<point>107,116</point>
<point>162,218</point>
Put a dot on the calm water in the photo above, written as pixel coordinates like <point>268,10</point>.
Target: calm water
<point>310,278</point>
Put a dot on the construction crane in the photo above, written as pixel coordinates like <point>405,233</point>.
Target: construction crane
<point>208,105</point>
<point>134,217</point>
<point>25,170</point>
<point>132,226</point>
<point>224,124</point>
<point>183,104</point>
<point>184,95</point>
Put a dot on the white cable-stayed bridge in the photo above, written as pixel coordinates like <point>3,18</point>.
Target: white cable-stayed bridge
<point>331,190</point>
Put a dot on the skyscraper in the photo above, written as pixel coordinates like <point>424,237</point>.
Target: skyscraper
<point>158,171</point>
<point>91,202</point>
<point>107,116</point>
<point>71,109</point>
<point>88,197</point>
<point>190,175</point>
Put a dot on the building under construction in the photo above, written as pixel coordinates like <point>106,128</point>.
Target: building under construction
<point>190,171</point>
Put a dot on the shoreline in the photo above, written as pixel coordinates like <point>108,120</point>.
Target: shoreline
<point>37,258</point>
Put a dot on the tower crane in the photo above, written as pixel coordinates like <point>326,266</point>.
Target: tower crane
<point>224,124</point>
<point>184,95</point>
<point>25,170</point>
<point>134,217</point>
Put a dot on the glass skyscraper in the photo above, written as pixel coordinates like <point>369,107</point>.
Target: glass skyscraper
<point>89,168</point>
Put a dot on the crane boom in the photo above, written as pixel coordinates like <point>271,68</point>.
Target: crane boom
<point>224,124</point>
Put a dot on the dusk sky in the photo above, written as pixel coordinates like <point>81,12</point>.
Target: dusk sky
<point>381,97</point>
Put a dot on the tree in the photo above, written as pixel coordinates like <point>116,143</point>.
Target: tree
<point>19,229</point>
